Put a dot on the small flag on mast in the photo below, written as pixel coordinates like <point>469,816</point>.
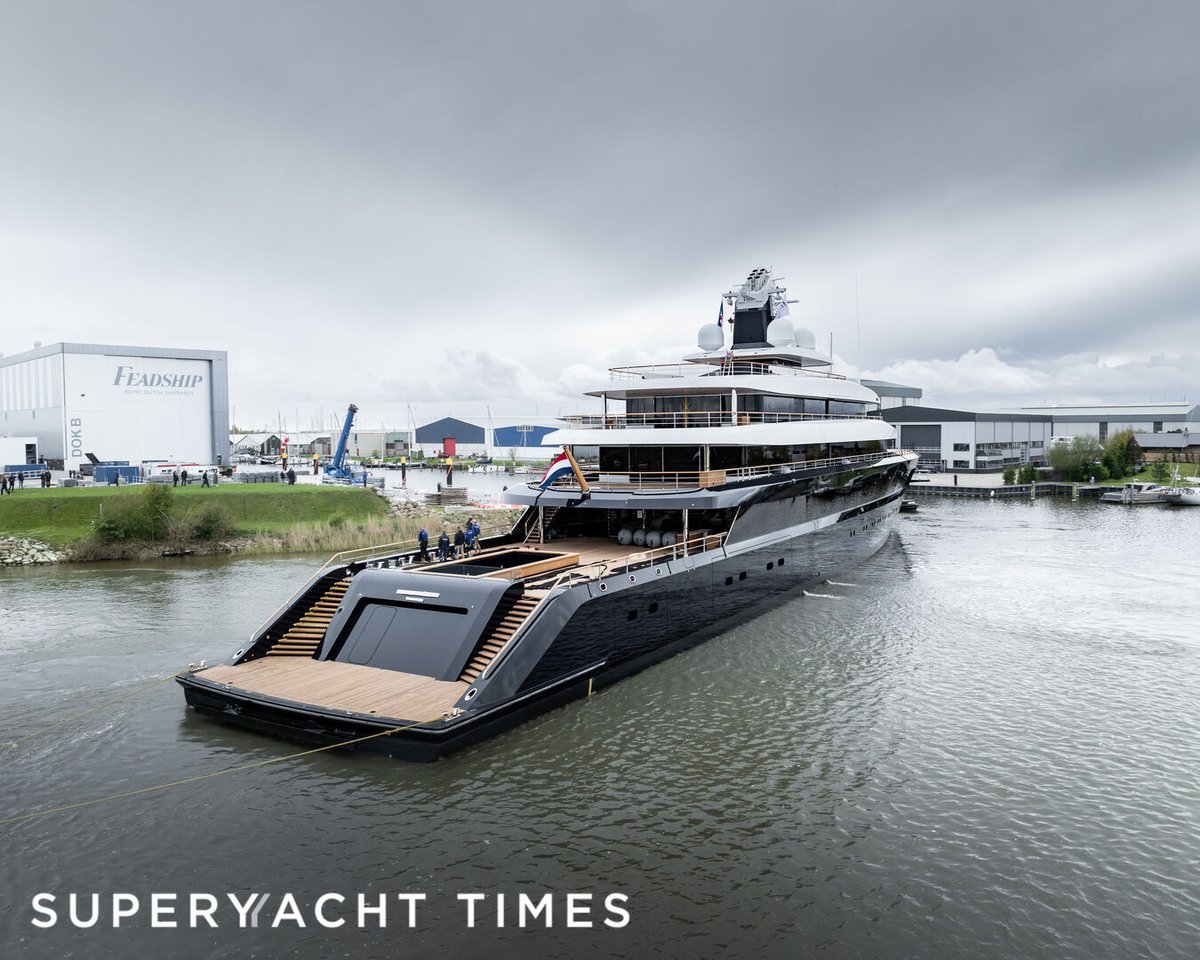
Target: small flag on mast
<point>721,315</point>
<point>560,466</point>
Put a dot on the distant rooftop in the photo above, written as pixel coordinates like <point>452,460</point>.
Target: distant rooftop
<point>885,388</point>
<point>1171,410</point>
<point>918,414</point>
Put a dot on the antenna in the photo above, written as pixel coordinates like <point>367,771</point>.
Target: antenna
<point>857,326</point>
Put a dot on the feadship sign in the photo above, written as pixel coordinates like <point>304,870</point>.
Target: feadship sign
<point>132,377</point>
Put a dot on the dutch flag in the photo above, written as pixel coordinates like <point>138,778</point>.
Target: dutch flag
<point>558,466</point>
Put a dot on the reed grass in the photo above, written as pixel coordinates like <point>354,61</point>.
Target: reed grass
<point>330,537</point>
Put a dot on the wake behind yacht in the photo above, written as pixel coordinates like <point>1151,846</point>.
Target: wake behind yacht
<point>702,493</point>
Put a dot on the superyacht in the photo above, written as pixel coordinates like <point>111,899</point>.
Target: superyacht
<point>702,493</point>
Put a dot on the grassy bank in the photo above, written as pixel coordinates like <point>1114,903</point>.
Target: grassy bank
<point>1148,475</point>
<point>65,517</point>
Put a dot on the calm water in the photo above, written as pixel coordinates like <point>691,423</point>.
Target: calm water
<point>984,743</point>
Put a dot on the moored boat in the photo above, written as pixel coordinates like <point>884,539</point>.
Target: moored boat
<point>1135,493</point>
<point>1183,492</point>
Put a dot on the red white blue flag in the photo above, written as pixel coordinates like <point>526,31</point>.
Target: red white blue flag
<point>721,315</point>
<point>558,466</point>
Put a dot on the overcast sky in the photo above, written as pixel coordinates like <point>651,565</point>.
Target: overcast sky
<point>464,205</point>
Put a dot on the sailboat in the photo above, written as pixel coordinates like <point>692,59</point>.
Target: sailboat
<point>1181,496</point>
<point>489,435</point>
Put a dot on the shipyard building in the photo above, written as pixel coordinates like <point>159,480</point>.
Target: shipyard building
<point>969,441</point>
<point>117,403</point>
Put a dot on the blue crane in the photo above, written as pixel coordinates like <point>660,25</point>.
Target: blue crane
<point>337,467</point>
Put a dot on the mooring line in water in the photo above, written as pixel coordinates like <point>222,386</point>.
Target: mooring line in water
<point>215,773</point>
<point>99,706</point>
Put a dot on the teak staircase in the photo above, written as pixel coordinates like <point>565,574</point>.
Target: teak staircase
<point>303,637</point>
<point>537,530</point>
<point>512,611</point>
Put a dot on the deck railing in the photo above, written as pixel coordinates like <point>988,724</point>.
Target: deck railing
<point>727,368</point>
<point>599,569</point>
<point>703,418</point>
<point>674,480</point>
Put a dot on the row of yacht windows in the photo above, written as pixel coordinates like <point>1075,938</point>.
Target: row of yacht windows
<point>748,403</point>
<point>674,459</point>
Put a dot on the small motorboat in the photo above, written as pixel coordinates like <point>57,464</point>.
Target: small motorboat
<point>1136,492</point>
<point>909,506</point>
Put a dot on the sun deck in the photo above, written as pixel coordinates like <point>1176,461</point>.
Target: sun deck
<point>329,685</point>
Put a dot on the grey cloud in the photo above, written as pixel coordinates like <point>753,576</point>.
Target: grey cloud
<point>332,187</point>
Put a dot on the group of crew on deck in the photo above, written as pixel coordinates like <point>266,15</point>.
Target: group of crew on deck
<point>466,541</point>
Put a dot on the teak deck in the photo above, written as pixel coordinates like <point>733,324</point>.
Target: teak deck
<point>342,686</point>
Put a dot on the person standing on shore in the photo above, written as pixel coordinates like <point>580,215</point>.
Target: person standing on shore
<point>21,480</point>
<point>423,543</point>
<point>444,545</point>
<point>291,476</point>
<point>174,478</point>
<point>204,478</point>
<point>183,476</point>
<point>3,484</point>
<point>460,543</point>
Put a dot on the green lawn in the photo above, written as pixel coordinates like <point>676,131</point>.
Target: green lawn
<point>1185,470</point>
<point>61,516</point>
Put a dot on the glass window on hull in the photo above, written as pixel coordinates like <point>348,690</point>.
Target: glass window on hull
<point>614,459</point>
<point>646,459</point>
<point>681,458</point>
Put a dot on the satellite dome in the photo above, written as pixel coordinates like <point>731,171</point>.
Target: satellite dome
<point>781,333</point>
<point>806,339</point>
<point>710,338</point>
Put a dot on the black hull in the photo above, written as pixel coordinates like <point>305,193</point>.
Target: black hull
<point>592,637</point>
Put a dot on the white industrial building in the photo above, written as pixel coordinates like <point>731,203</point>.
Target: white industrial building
<point>968,441</point>
<point>1101,421</point>
<point>17,451</point>
<point>118,403</point>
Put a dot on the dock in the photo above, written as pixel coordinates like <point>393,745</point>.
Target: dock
<point>991,486</point>
<point>446,496</point>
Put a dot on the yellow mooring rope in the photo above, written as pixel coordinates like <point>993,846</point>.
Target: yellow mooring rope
<point>215,773</point>
<point>100,706</point>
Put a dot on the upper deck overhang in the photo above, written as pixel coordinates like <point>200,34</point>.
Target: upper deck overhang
<point>843,430</point>
<point>629,499</point>
<point>652,492</point>
<point>694,379</point>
